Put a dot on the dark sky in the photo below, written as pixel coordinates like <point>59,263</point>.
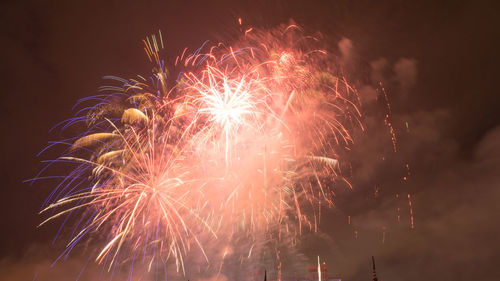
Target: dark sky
<point>438,59</point>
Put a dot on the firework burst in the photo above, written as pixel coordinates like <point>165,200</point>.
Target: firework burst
<point>246,143</point>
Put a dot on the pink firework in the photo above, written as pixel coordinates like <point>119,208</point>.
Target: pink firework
<point>247,142</point>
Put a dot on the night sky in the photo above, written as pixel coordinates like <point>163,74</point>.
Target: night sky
<point>438,61</point>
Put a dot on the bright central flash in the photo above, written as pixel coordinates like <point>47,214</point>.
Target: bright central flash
<point>228,107</point>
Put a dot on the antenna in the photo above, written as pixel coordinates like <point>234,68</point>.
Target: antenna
<point>374,272</point>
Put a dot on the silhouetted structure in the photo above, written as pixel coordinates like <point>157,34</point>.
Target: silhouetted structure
<point>374,272</point>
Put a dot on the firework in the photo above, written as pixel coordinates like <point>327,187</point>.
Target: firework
<point>245,142</point>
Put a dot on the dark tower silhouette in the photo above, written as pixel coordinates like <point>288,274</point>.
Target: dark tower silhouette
<point>374,272</point>
<point>265,275</point>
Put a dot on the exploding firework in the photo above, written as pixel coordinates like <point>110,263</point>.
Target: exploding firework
<point>244,142</point>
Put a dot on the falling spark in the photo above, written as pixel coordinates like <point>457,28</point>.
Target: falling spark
<point>398,215</point>
<point>383,234</point>
<point>387,119</point>
<point>412,225</point>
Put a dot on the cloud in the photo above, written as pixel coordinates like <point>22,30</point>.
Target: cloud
<point>455,204</point>
<point>406,73</point>
<point>346,48</point>
<point>456,236</point>
<point>378,69</point>
<point>402,76</point>
<point>368,94</point>
<point>37,264</point>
